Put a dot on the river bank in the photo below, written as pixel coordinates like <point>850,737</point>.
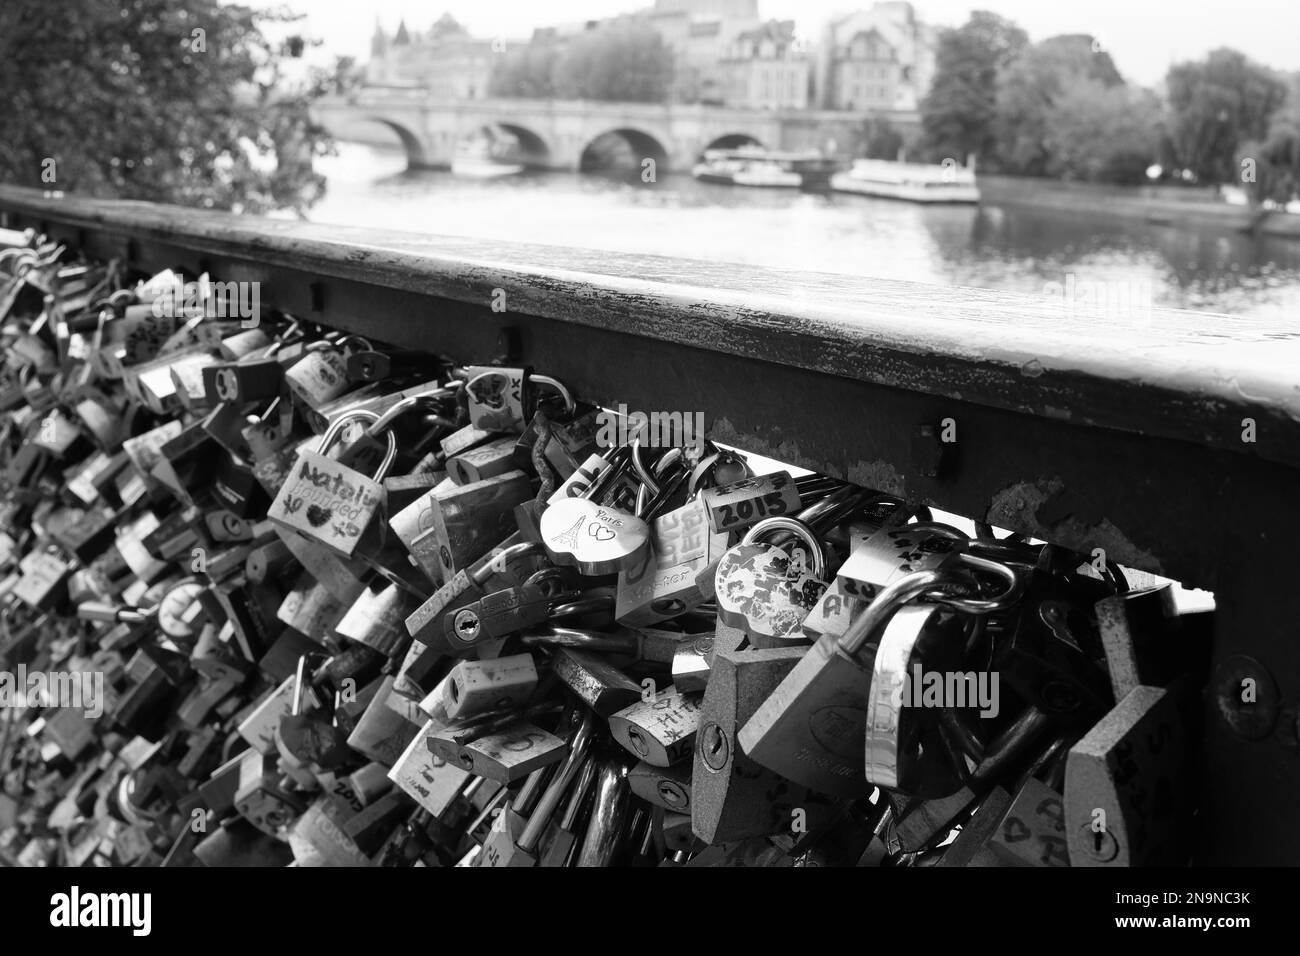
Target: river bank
<point>1158,205</point>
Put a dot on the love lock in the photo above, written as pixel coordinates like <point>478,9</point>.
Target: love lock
<point>768,591</point>
<point>594,538</point>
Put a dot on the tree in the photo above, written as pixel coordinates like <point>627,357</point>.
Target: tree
<point>958,113</point>
<point>1270,169</point>
<point>625,63</point>
<point>1028,89</point>
<point>880,139</point>
<point>171,101</point>
<point>1099,132</point>
<point>526,70</point>
<point>1216,104</point>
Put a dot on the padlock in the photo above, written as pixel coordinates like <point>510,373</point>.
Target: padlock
<point>474,687</point>
<point>485,461</point>
<point>328,502</point>
<point>1127,783</point>
<point>769,591</point>
<point>892,552</point>
<point>598,684</point>
<point>660,731</point>
<point>496,615</point>
<point>507,560</point>
<point>732,797</point>
<point>505,847</point>
<point>243,382</point>
<point>693,662</point>
<point>468,519</point>
<point>312,737</point>
<point>381,734</point>
<point>664,584</point>
<point>666,787</point>
<point>811,729</point>
<point>502,399</point>
<point>596,539</point>
<point>512,753</point>
<point>738,505</point>
<point>318,376</point>
<point>260,799</point>
<point>377,619</point>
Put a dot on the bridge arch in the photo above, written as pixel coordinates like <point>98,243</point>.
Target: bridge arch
<point>534,148</point>
<point>731,141</point>
<point>622,147</point>
<point>415,153</point>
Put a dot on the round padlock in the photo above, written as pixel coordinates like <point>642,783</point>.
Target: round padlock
<point>768,591</point>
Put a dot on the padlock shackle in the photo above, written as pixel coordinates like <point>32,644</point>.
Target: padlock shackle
<point>579,748</point>
<point>816,551</point>
<point>1000,602</point>
<point>887,601</point>
<point>583,605</point>
<point>336,428</point>
<point>399,408</point>
<point>498,561</point>
<point>570,406</point>
<point>585,640</point>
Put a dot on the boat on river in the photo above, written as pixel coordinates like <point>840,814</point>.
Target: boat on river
<point>755,166</point>
<point>484,157</point>
<point>914,182</point>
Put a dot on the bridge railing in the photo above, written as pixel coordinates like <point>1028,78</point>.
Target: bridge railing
<point>1174,446</point>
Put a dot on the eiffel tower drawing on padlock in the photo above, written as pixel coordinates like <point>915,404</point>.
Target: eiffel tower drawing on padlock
<point>569,539</point>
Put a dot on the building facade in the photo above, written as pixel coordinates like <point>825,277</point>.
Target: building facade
<point>445,60</point>
<point>880,58</point>
<point>767,68</point>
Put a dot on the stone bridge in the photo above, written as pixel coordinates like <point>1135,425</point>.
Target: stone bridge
<point>558,134</point>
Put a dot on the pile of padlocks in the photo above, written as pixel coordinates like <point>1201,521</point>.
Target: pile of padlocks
<point>339,604</point>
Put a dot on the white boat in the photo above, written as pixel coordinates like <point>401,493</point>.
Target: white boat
<point>752,166</point>
<point>915,182</point>
<point>487,158</point>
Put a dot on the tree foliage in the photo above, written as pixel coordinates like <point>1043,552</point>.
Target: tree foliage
<point>1101,132</point>
<point>628,63</point>
<point>1216,104</point>
<point>181,102</point>
<point>1028,91</point>
<point>1274,162</point>
<point>957,115</point>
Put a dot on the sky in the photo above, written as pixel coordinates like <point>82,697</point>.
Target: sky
<point>1143,36</point>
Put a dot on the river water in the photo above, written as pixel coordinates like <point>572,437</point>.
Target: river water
<point>990,246</point>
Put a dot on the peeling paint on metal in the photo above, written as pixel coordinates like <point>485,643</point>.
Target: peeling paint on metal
<point>877,475</point>
<point>1016,507</point>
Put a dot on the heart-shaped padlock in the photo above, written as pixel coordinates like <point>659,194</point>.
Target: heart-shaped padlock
<point>768,591</point>
<point>592,537</point>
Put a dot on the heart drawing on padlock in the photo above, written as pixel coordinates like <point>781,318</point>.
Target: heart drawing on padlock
<point>592,537</point>
<point>318,516</point>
